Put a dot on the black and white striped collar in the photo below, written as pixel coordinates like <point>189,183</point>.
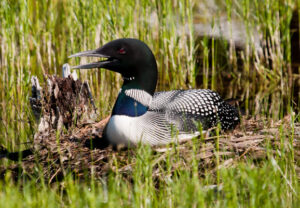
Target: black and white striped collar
<point>128,78</point>
<point>139,95</point>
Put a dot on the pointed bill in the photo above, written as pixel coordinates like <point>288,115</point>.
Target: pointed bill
<point>91,65</point>
<point>90,53</point>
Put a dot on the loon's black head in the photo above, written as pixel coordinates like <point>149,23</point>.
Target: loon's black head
<point>130,57</point>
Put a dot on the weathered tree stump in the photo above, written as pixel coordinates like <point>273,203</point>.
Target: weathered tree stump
<point>65,103</point>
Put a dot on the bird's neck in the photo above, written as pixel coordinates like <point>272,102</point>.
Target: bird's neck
<point>136,94</point>
<point>144,78</point>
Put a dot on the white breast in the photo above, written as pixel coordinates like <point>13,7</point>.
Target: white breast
<point>150,128</point>
<point>122,129</point>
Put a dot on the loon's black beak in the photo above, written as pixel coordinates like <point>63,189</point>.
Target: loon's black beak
<point>94,53</point>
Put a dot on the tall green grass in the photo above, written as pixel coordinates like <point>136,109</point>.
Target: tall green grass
<point>36,37</point>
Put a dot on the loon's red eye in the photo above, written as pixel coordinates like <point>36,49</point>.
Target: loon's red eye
<point>122,51</point>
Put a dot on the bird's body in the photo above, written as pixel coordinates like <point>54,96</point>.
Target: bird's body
<point>171,116</point>
<point>140,115</point>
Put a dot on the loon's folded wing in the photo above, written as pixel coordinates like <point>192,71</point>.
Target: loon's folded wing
<point>158,128</point>
<point>202,106</point>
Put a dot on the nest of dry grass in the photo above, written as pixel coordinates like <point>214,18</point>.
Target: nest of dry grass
<point>77,148</point>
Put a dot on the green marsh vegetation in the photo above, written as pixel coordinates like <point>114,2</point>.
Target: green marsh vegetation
<point>262,71</point>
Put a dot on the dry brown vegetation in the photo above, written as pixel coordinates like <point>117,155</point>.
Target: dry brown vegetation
<point>68,141</point>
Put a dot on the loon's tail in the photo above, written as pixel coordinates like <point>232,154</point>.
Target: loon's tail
<point>229,116</point>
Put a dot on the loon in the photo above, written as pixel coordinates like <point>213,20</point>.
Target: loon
<point>142,115</point>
